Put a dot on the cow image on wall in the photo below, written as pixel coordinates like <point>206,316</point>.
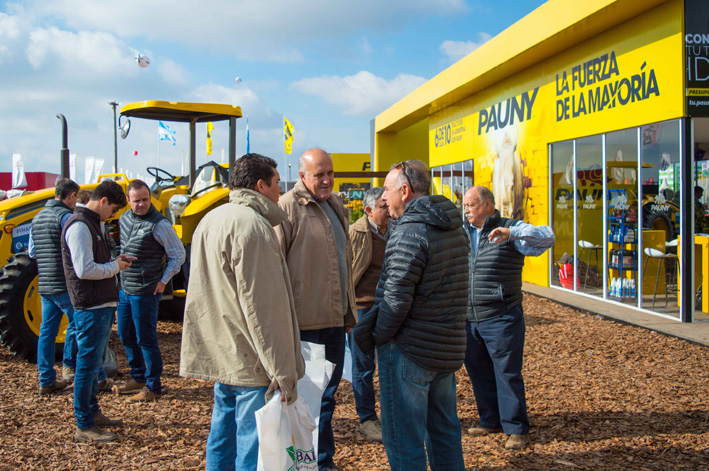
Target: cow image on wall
<point>507,178</point>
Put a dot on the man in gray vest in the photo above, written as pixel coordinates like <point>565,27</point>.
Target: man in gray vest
<point>45,245</point>
<point>495,321</point>
<point>91,279</point>
<point>149,237</point>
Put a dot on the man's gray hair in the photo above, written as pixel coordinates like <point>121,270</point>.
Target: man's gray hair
<point>485,194</point>
<point>415,174</point>
<point>372,196</point>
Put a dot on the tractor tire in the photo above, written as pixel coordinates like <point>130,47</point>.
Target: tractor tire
<point>21,309</point>
<point>660,220</point>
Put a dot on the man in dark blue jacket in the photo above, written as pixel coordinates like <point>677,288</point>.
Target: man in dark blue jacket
<point>418,323</point>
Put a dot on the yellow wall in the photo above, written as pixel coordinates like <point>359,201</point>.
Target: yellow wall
<point>644,53</point>
<point>350,163</point>
<point>407,144</point>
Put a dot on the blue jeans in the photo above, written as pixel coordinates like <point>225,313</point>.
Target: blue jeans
<point>363,367</point>
<point>418,406</point>
<point>137,329</point>
<point>233,439</point>
<point>93,328</point>
<point>54,306</point>
<point>494,362</point>
<point>334,340</point>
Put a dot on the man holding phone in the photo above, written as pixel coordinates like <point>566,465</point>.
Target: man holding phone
<point>157,254</point>
<point>91,281</point>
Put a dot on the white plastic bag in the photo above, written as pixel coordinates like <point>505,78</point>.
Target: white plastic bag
<point>285,436</point>
<point>318,372</point>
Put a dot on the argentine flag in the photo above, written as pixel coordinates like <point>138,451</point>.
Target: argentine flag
<point>165,133</point>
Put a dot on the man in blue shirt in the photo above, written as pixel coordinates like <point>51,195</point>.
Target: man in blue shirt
<point>149,237</point>
<point>495,320</point>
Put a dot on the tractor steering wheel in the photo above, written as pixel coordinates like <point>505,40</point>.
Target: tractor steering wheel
<point>156,172</point>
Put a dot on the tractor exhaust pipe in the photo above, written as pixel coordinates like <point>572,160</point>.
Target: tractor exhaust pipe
<point>64,153</point>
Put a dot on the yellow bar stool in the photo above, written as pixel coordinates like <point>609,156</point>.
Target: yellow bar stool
<point>660,256</point>
<point>592,248</point>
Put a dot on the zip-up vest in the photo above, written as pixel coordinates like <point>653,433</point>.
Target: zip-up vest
<point>137,240</point>
<point>495,274</point>
<point>86,294</point>
<point>47,236</point>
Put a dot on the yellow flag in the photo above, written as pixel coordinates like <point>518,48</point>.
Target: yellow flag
<point>288,130</point>
<point>210,127</point>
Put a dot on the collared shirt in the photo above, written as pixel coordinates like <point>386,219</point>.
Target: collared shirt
<point>529,240</point>
<point>375,229</point>
<point>166,236</point>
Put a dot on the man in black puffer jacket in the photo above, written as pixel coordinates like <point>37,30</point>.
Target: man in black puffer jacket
<point>418,323</point>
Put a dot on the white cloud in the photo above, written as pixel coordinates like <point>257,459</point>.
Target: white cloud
<point>456,50</point>
<point>9,33</point>
<point>99,54</point>
<point>172,72</point>
<point>361,94</point>
<point>270,30</point>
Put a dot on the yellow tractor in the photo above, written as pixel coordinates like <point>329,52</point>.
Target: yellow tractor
<point>184,200</point>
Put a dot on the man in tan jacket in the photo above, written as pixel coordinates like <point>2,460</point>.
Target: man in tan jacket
<point>368,235</point>
<point>240,328</point>
<point>316,243</point>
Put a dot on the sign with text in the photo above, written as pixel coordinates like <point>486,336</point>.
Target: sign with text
<point>696,44</point>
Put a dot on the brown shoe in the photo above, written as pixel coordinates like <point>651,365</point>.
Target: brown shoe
<point>105,385</point>
<point>58,385</point>
<point>100,419</point>
<point>517,442</point>
<point>372,430</point>
<point>129,387</point>
<point>94,435</point>
<point>146,395</point>
<point>68,373</point>
<point>483,431</point>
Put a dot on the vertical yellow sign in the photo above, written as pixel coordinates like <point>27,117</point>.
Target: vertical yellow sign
<point>288,134</point>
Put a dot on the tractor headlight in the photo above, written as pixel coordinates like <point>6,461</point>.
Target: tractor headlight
<point>178,203</point>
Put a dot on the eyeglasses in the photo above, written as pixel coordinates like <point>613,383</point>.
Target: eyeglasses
<point>404,170</point>
<point>472,205</point>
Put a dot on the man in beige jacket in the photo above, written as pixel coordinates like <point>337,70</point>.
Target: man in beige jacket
<point>240,328</point>
<point>316,243</point>
<point>368,235</point>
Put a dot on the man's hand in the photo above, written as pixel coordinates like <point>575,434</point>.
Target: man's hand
<point>160,288</point>
<point>273,388</point>
<point>348,330</point>
<point>124,261</point>
<point>499,235</point>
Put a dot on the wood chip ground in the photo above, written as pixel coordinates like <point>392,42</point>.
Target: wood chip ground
<point>601,396</point>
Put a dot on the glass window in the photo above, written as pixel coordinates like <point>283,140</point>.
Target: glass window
<point>589,215</point>
<point>660,190</point>
<point>562,164</point>
<point>622,223</point>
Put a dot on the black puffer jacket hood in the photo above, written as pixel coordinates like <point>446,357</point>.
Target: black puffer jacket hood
<point>422,294</point>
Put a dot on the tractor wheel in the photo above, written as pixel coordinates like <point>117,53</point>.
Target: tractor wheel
<point>21,309</point>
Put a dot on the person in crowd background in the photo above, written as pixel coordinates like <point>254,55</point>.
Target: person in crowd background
<point>149,238</point>
<point>495,327</point>
<point>46,247</point>
<point>368,235</point>
<point>91,281</point>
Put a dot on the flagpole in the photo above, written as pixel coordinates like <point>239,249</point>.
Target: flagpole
<point>284,150</point>
<point>158,144</point>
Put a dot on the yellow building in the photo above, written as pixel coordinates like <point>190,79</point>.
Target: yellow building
<point>583,116</point>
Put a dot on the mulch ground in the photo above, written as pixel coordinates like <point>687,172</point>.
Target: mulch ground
<point>601,396</point>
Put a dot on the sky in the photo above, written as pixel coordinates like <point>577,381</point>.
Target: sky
<point>329,66</point>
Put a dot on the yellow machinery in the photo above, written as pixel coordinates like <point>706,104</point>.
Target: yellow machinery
<point>184,200</point>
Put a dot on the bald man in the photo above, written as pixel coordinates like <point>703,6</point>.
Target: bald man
<point>316,244</point>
